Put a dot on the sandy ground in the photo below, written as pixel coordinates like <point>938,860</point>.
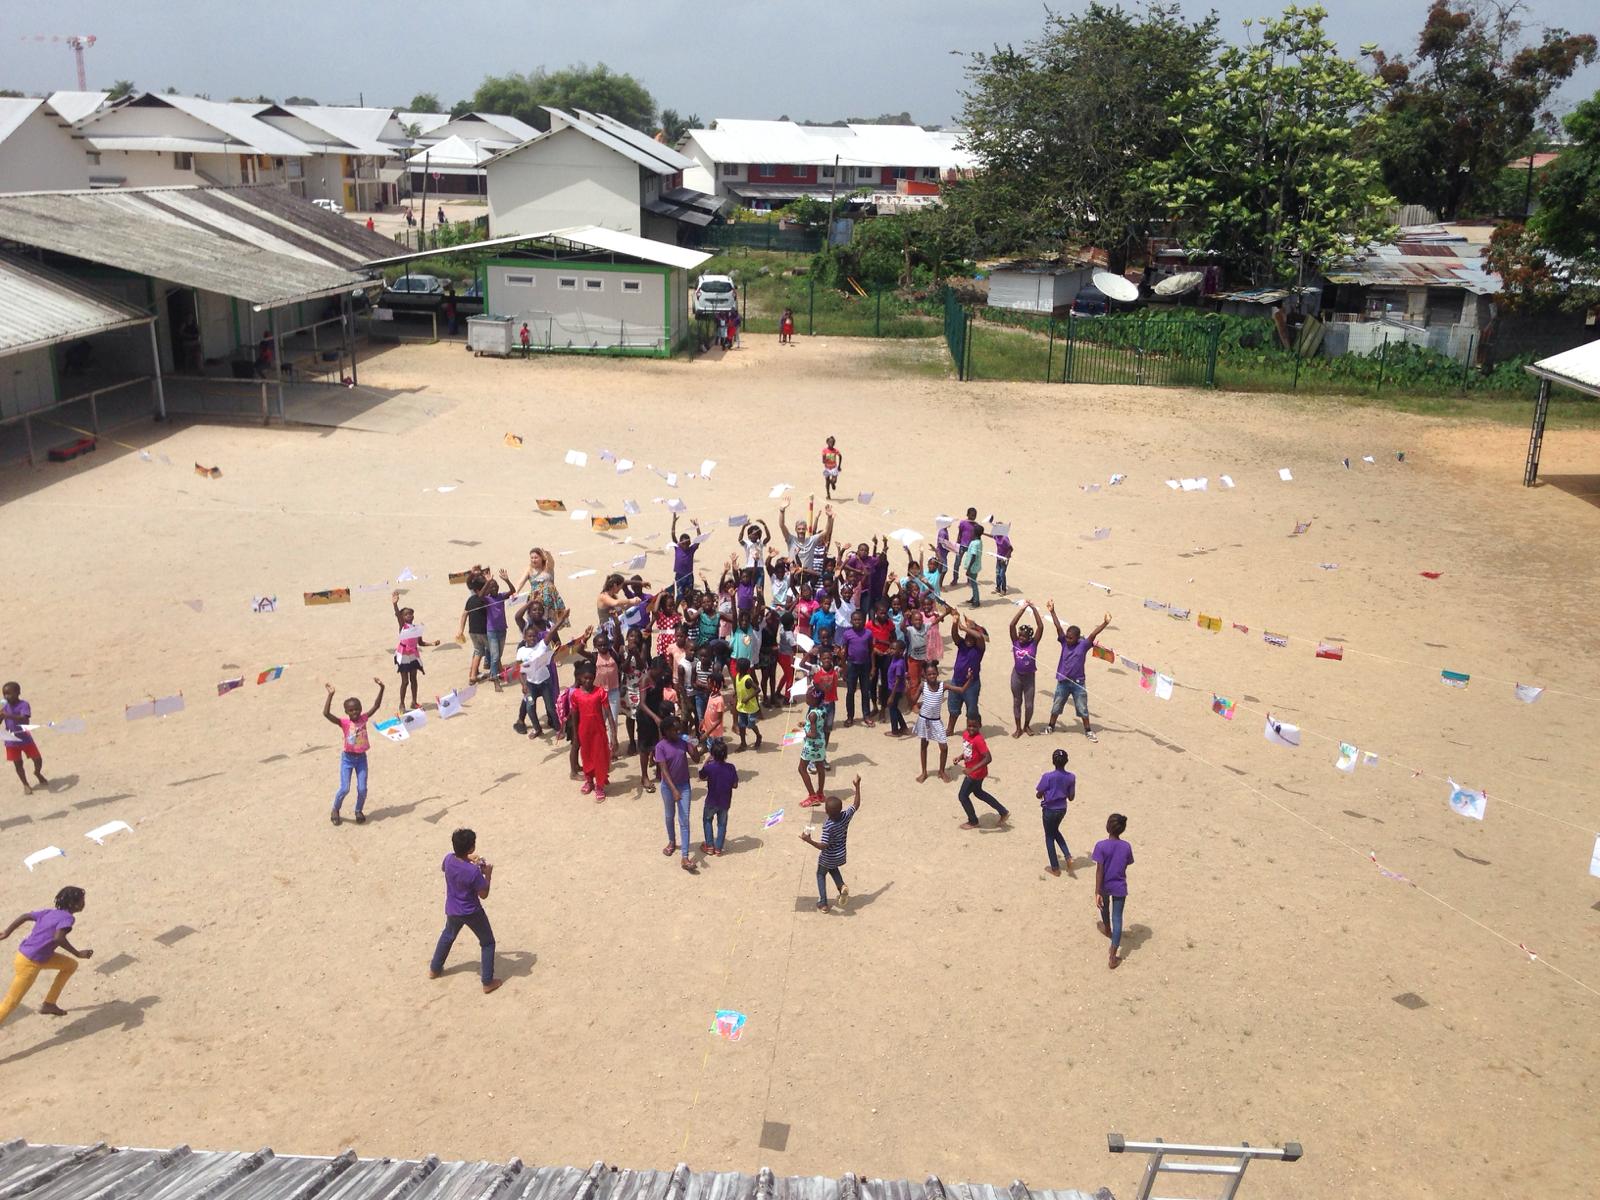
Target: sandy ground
<point>259,975</point>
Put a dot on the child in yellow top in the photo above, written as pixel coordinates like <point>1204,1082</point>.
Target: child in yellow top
<point>747,701</point>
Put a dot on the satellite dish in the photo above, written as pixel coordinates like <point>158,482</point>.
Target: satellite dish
<point>1179,284</point>
<point>1116,287</point>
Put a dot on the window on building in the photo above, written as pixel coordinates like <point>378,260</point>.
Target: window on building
<point>866,174</point>
<point>519,280</point>
<point>767,170</point>
<point>730,169</point>
<point>567,283</point>
<point>630,285</point>
<point>827,172</point>
<point>930,173</point>
<point>182,161</point>
<point>594,285</point>
<point>94,157</point>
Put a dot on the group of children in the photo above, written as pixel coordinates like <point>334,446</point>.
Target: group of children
<point>792,618</point>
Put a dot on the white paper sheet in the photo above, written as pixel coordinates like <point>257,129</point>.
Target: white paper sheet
<point>1285,475</point>
<point>706,467</point>
<point>631,507</point>
<point>100,833</point>
<point>575,458</point>
<point>39,856</point>
<point>1163,687</point>
<point>449,706</point>
<point>1281,733</point>
<point>1467,802</point>
<point>778,489</point>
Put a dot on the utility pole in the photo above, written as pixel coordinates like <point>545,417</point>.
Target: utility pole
<point>833,192</point>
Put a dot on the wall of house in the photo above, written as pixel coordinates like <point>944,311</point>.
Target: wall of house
<point>588,306</point>
<point>563,180</point>
<point>27,382</point>
<point>42,156</point>
<point>1034,291</point>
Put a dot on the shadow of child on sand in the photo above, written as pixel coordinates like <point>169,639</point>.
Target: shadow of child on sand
<point>96,1018</point>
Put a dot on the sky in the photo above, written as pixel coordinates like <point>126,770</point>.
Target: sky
<point>822,60</point>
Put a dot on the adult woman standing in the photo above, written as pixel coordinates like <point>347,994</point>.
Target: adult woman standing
<point>541,576</point>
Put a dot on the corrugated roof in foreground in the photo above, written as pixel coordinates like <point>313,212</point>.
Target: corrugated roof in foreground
<point>30,1172</point>
<point>259,244</point>
<point>40,307</point>
<point>1578,368</point>
<point>592,237</point>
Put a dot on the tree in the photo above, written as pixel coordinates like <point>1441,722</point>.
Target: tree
<point>121,88</point>
<point>595,89</point>
<point>1555,258</point>
<point>1266,173</point>
<point>307,101</point>
<point>674,126</point>
<point>424,102</point>
<point>460,108</point>
<point>1470,101</point>
<point>1062,126</point>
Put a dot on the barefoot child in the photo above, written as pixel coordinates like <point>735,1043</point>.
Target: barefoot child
<point>746,701</point>
<point>407,651</point>
<point>19,742</point>
<point>1024,668</point>
<point>835,831</point>
<point>1056,787</point>
<point>42,950</point>
<point>712,719</point>
<point>1112,858</point>
<point>721,778</point>
<point>353,757</point>
<point>832,464</point>
<point>466,887</point>
<point>930,719</point>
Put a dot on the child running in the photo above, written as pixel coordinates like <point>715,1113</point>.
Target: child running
<point>42,950</point>
<point>975,760</point>
<point>466,886</point>
<point>721,777</point>
<point>832,464</point>
<point>353,756</point>
<point>19,742</point>
<point>1056,787</point>
<point>1112,858</point>
<point>831,856</point>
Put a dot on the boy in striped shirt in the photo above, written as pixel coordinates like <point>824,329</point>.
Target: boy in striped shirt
<point>831,856</point>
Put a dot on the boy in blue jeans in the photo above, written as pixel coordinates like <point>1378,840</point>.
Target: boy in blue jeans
<point>831,856</point>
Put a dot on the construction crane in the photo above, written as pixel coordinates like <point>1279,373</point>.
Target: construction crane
<point>79,43</point>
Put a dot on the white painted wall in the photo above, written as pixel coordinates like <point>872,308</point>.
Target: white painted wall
<point>584,316</point>
<point>41,155</point>
<point>27,383</point>
<point>1033,291</point>
<point>562,180</point>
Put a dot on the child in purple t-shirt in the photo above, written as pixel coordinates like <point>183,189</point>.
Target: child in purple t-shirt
<point>1002,561</point>
<point>1056,787</point>
<point>1112,858</point>
<point>42,950</point>
<point>721,778</point>
<point>19,742</point>
<point>1070,675</point>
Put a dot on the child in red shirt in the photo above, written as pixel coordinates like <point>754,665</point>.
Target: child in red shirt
<point>975,760</point>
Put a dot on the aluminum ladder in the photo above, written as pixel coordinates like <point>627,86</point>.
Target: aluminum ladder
<point>1231,1168</point>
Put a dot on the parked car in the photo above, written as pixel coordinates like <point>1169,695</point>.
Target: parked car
<point>332,206</point>
<point>714,295</point>
<point>413,293</point>
<point>1090,302</point>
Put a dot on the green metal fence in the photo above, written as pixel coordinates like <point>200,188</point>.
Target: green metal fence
<point>758,235</point>
<point>957,322</point>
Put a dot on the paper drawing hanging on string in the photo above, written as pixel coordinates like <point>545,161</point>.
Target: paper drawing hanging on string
<point>1467,802</point>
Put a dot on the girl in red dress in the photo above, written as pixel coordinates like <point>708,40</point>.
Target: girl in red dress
<point>597,731</point>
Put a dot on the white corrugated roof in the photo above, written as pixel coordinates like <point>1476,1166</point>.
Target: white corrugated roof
<point>744,141</point>
<point>14,111</point>
<point>241,131</point>
<point>520,130</point>
<point>454,151</point>
<point>75,106</point>
<point>651,158</point>
<point>361,128</point>
<point>40,307</point>
<point>424,121</point>
<point>1578,368</point>
<point>593,236</point>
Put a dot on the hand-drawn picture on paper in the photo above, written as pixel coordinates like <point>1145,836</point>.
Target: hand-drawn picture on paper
<point>328,596</point>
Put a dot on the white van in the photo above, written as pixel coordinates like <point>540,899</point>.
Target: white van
<point>714,295</point>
